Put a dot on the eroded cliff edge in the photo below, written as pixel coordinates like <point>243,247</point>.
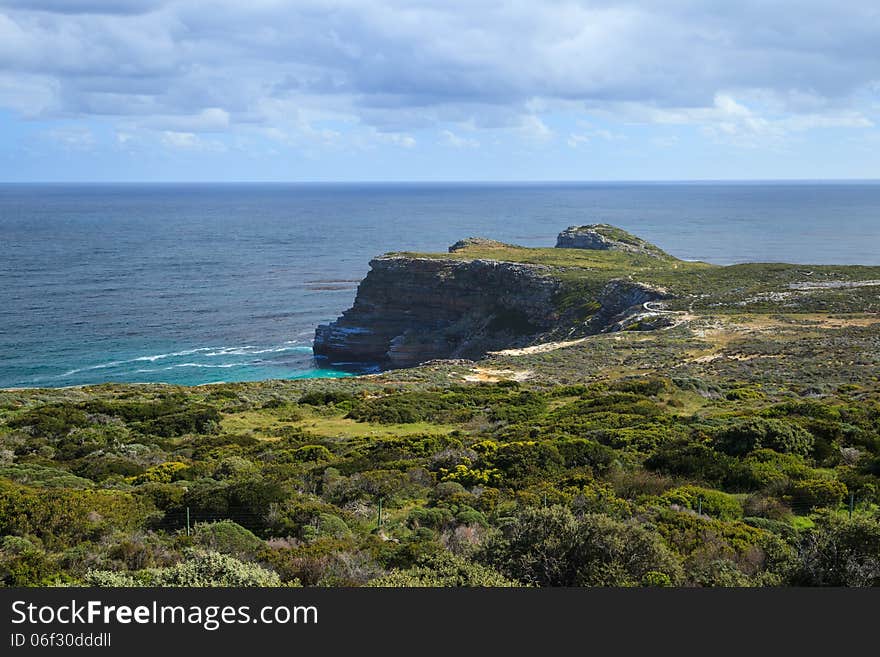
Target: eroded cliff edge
<point>413,308</point>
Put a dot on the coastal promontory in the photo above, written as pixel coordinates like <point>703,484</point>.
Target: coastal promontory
<point>484,295</point>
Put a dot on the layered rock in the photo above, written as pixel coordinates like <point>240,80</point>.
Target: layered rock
<point>412,309</point>
<point>602,237</point>
<point>409,310</point>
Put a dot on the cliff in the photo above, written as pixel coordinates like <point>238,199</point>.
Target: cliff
<point>413,308</point>
<point>410,309</point>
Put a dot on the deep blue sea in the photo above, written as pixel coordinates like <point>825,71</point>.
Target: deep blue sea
<point>192,283</point>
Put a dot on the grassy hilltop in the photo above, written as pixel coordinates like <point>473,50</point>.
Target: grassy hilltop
<point>736,443</point>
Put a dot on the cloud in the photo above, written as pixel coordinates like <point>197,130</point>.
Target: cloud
<point>732,120</point>
<point>457,141</point>
<point>85,6</point>
<point>534,129</point>
<point>75,138</point>
<point>212,119</point>
<point>578,139</point>
<point>188,141</point>
<point>187,67</point>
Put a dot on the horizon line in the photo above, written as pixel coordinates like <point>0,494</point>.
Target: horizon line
<point>446,181</point>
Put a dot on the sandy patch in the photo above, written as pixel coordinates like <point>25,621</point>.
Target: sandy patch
<point>486,375</point>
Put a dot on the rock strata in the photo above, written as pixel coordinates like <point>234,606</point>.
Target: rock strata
<point>412,309</point>
<point>409,310</point>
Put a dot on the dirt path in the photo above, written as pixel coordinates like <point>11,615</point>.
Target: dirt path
<point>538,348</point>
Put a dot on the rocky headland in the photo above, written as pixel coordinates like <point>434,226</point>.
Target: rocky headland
<point>411,308</point>
<point>484,296</point>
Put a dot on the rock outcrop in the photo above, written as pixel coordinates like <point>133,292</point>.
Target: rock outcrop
<point>411,309</point>
<point>478,242</point>
<point>602,237</point>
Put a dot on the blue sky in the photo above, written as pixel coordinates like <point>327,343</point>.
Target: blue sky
<point>277,90</point>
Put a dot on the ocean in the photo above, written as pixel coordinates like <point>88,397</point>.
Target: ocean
<point>197,283</point>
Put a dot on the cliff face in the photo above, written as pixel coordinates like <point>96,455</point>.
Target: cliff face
<point>409,310</point>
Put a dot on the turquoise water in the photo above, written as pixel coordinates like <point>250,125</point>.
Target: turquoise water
<point>195,284</point>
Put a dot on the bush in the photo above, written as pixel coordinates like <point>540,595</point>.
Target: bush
<point>164,473</point>
<point>841,553</point>
<point>579,452</point>
<point>443,569</point>
<point>23,564</point>
<point>700,462</point>
<point>816,492</point>
<point>522,459</point>
<point>312,453</point>
<point>50,420</point>
<point>325,397</point>
<point>43,477</point>
<point>62,517</point>
<point>712,502</point>
<point>471,476</point>
<point>209,569</point>
<point>550,547</point>
<point>226,537</point>
<point>757,433</point>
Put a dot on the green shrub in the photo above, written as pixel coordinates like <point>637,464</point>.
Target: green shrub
<point>712,502</point>
<point>61,517</point>
<point>817,492</point>
<point>226,537</point>
<point>42,476</point>
<point>23,564</point>
<point>325,397</point>
<point>656,579</point>
<point>312,453</point>
<point>164,473</point>
<point>526,458</point>
<point>579,452</point>
<point>841,553</point>
<point>436,518</point>
<point>209,569</point>
<point>50,420</point>
<point>443,569</point>
<point>756,433</point>
<point>471,476</point>
<point>550,547</point>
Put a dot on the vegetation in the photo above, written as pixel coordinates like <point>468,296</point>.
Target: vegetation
<point>739,446</point>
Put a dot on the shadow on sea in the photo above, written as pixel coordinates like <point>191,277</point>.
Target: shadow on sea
<point>347,367</point>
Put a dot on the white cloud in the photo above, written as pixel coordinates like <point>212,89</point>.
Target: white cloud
<point>403,140</point>
<point>577,139</point>
<point>458,141</point>
<point>736,70</point>
<point>72,137</point>
<point>211,119</point>
<point>734,121</point>
<point>189,141</point>
<point>534,129</point>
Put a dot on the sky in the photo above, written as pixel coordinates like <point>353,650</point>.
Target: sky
<point>471,90</point>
